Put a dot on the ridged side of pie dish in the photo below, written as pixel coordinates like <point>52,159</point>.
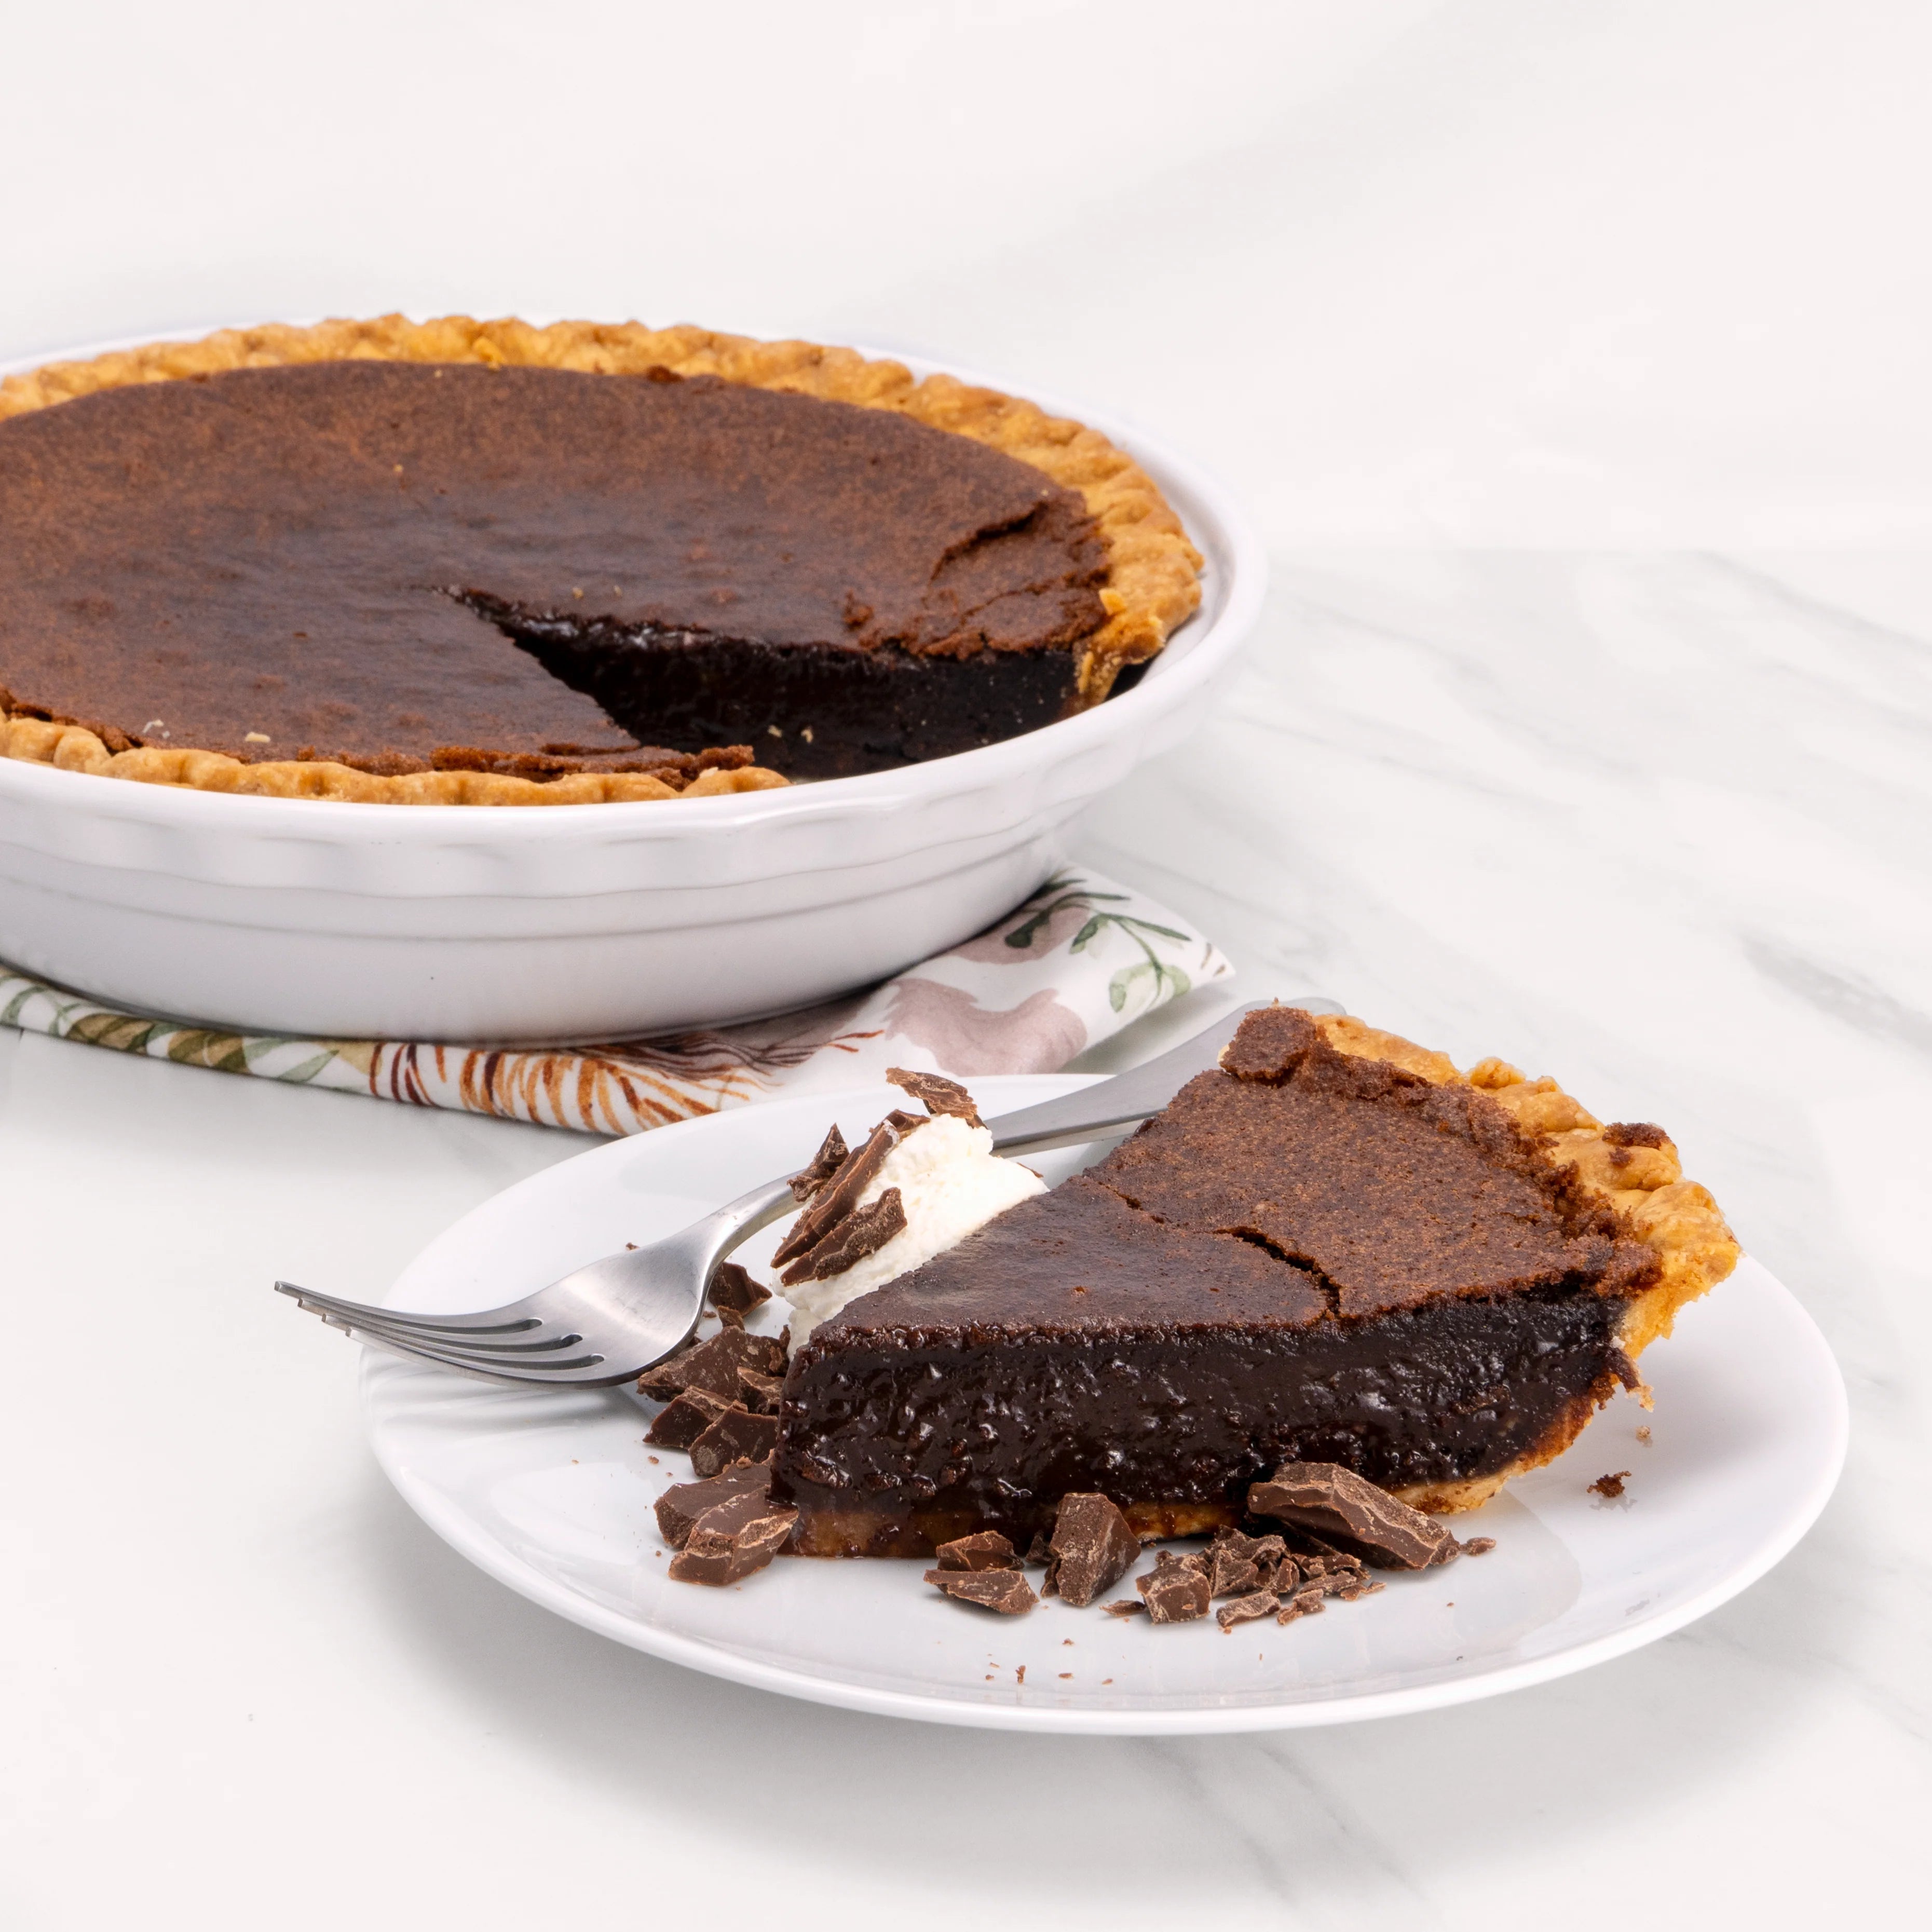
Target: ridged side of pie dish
<point>1152,582</point>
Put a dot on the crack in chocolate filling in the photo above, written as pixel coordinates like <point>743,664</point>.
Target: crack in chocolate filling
<point>1320,1258</point>
<point>402,565</point>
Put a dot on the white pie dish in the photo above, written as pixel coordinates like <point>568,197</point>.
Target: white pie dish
<point>555,923</point>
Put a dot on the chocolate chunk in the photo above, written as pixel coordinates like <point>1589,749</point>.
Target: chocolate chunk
<point>732,1288</point>
<point>1269,1044</point>
<point>1006,1592</point>
<point>714,1365</point>
<point>1305,1602</point>
<point>1611,1486</point>
<point>1246,1610</point>
<point>759,1393</point>
<point>864,1231</point>
<point>733,1539</point>
<point>1040,1551</point>
<point>831,1155</point>
<point>686,1418</point>
<point>839,1195</point>
<point>986,1549</point>
<point>737,1434</point>
<point>729,1318</point>
<point>1092,1548</point>
<point>1364,1520</point>
<point>1175,1592</point>
<point>666,1378</point>
<point>1236,1564</point>
<point>936,1093</point>
<point>1125,1607</point>
<point>683,1503</point>
<point>1344,1585</point>
<point>1479,1545</point>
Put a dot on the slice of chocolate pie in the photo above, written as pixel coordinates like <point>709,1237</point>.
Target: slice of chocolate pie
<point>460,562</point>
<point>1336,1250</point>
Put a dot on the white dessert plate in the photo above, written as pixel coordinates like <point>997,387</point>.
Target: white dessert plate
<point>552,1494</point>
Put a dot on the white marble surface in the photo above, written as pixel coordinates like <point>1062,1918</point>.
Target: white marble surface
<point>1656,821</point>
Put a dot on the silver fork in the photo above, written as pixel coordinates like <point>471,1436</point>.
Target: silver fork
<point>607,1322</point>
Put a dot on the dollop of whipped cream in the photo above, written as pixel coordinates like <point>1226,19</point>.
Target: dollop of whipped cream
<point>950,1183</point>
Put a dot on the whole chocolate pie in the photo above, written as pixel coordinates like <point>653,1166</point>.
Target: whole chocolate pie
<point>463,562</point>
<point>1337,1250</point>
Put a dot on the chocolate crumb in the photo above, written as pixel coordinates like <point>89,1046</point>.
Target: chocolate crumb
<point>1341,1506</point>
<point>936,1093</point>
<point>1611,1486</point>
<point>1124,1606</point>
<point>1092,1548</point>
<point>1005,1592</point>
<point>986,1550</point>
<point>1175,1592</point>
<point>1238,1564</point>
<point>1479,1545</point>
<point>1019,1675</point>
<point>1643,1434</point>
<point>825,1163</point>
<point>737,1435</point>
<point>730,1541</point>
<point>1246,1610</point>
<point>1634,1133</point>
<point>686,1418</point>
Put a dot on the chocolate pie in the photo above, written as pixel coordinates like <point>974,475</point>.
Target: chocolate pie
<point>457,562</point>
<point>1335,1250</point>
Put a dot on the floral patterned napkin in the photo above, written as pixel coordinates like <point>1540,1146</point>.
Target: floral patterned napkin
<point>1073,965</point>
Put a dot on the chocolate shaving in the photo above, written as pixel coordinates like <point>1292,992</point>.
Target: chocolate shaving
<point>1092,1549</point>
<point>1306,1602</point>
<point>986,1549</point>
<point>825,1163</point>
<point>1175,1592</point>
<point>1124,1606</point>
<point>732,1288</point>
<point>686,1418</point>
<point>728,1542</point>
<point>936,1093</point>
<point>1364,1520</point>
<point>862,1232</point>
<point>839,1195</point>
<point>1246,1610</point>
<point>737,1434</point>
<point>1005,1592</point>
<point>681,1505</point>
<point>1611,1486</point>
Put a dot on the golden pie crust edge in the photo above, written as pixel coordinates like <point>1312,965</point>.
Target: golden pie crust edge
<point>1154,581</point>
<point>1645,1186</point>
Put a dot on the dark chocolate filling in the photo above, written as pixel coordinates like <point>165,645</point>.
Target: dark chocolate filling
<point>386,562</point>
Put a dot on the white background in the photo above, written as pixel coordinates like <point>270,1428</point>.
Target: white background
<point>1572,358</point>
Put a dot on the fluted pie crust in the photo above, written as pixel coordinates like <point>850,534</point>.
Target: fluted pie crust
<point>1152,583</point>
<point>1646,1186</point>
